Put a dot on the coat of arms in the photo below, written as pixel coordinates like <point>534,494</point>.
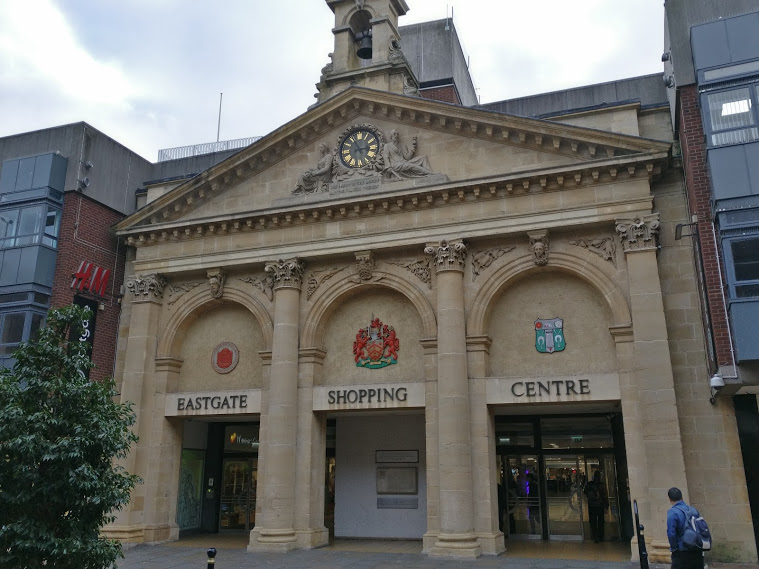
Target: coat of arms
<point>376,345</point>
<point>549,335</point>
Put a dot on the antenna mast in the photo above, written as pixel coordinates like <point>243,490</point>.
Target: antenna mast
<point>218,126</point>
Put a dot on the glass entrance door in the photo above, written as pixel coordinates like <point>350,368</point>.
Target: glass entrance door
<point>564,481</point>
<point>520,497</point>
<point>238,494</point>
<point>609,517</point>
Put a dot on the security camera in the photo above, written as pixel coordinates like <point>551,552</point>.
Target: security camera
<point>716,382</point>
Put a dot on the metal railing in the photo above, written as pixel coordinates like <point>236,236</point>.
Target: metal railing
<point>205,148</point>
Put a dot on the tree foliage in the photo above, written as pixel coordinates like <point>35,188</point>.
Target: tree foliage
<point>59,436</point>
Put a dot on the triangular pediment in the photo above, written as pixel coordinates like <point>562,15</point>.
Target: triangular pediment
<point>459,150</point>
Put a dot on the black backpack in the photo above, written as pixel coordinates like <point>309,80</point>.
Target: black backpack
<point>696,535</point>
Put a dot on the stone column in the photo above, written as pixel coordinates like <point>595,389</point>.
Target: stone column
<point>277,481</point>
<point>138,386</point>
<point>311,459</point>
<point>653,377</point>
<point>457,537</point>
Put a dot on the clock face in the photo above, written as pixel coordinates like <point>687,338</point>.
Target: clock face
<point>359,148</point>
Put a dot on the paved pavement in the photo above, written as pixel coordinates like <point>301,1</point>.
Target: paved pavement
<point>178,557</point>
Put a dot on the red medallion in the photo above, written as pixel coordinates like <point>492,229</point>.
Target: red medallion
<point>225,357</point>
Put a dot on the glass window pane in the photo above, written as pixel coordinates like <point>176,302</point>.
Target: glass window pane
<point>730,109</point>
<point>574,432</point>
<point>13,327</point>
<point>52,223</point>
<point>747,291</point>
<point>746,259</point>
<point>8,222</point>
<point>14,297</point>
<point>40,298</point>
<point>514,434</point>
<point>37,320</point>
<point>30,222</point>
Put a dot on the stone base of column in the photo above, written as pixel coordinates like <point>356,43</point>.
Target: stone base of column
<point>161,533</point>
<point>125,534</point>
<point>491,543</point>
<point>276,540</point>
<point>312,538</point>
<point>459,545</point>
<point>658,552</point>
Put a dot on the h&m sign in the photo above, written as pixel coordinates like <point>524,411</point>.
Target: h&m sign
<point>91,278</point>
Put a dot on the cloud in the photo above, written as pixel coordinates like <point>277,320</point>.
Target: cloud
<point>37,45</point>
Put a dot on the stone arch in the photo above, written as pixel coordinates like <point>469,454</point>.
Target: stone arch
<point>579,263</point>
<point>313,328</point>
<point>199,301</point>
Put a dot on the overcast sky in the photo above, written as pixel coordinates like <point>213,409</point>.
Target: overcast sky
<point>148,73</point>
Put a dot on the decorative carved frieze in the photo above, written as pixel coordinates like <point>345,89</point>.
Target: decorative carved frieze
<point>177,290</point>
<point>265,285</point>
<point>286,273</point>
<point>604,247</point>
<point>448,256</point>
<point>418,267</point>
<point>365,264</point>
<point>316,278</point>
<point>483,259</point>
<point>638,233</point>
<point>147,286</point>
<point>539,246</point>
<point>216,279</point>
<point>316,179</point>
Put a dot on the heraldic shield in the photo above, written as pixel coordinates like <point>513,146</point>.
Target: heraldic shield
<point>376,345</point>
<point>549,335</point>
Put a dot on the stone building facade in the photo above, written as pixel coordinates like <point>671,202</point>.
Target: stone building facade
<point>394,317</point>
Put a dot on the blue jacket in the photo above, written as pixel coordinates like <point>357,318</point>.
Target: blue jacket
<point>676,520</point>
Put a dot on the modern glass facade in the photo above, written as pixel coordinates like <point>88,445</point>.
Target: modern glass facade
<point>31,203</point>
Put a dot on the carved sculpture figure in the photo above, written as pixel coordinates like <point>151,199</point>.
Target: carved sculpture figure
<point>216,279</point>
<point>400,162</point>
<point>539,247</point>
<point>316,179</point>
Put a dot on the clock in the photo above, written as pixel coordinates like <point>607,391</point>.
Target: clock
<point>359,148</point>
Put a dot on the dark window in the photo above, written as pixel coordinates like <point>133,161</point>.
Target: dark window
<point>742,260</point>
<point>13,328</point>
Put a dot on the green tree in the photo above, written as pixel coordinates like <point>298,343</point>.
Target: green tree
<point>59,436</point>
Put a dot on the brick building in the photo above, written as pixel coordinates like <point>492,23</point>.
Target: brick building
<point>711,61</point>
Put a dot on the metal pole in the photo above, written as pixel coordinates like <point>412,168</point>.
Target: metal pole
<point>211,557</point>
<point>642,553</point>
<point>218,126</point>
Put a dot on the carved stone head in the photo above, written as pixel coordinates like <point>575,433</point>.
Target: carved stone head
<point>539,247</point>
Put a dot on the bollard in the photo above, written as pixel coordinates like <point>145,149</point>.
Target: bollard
<point>211,557</point>
<point>642,553</point>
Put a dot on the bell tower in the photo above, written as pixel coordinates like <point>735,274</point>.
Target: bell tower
<point>367,49</point>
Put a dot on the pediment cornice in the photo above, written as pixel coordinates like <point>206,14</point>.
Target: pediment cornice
<point>644,166</point>
<point>592,151</point>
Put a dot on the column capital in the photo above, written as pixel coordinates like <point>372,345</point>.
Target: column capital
<point>448,255</point>
<point>638,233</point>
<point>287,273</point>
<point>147,287</point>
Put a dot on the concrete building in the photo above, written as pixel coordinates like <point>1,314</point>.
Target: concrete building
<point>392,311</point>
<point>711,60</point>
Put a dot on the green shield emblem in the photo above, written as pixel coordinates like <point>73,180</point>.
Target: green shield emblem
<point>549,335</point>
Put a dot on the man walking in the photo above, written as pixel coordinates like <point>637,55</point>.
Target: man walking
<point>677,518</point>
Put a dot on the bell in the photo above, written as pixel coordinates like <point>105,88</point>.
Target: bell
<point>365,47</point>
